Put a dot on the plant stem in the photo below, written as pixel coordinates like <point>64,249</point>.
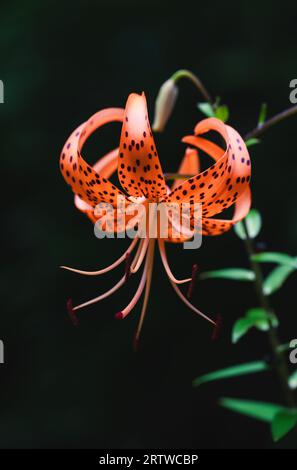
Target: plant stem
<point>177,176</point>
<point>270,122</point>
<point>279,359</point>
<point>197,82</point>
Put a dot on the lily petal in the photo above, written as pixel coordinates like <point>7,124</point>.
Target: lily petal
<point>221,185</point>
<point>85,181</point>
<point>190,165</point>
<point>139,169</point>
<point>219,226</point>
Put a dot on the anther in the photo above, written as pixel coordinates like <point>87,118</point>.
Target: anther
<point>193,281</point>
<point>119,316</point>
<point>71,313</point>
<point>217,328</point>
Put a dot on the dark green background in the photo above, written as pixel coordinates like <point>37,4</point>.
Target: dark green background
<point>84,387</point>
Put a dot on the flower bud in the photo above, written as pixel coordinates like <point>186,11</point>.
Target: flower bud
<point>165,102</point>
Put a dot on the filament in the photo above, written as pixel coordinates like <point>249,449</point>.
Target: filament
<point>150,261</point>
<point>188,304</point>
<point>140,255</point>
<point>123,313</point>
<point>108,268</point>
<point>166,265</point>
<point>102,296</point>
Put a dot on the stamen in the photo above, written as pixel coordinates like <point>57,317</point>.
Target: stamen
<point>218,327</point>
<point>102,296</point>
<point>142,252</point>
<point>150,264</point>
<point>128,266</point>
<point>108,268</point>
<point>135,344</point>
<point>166,265</point>
<point>119,316</point>
<point>188,304</point>
<point>193,281</point>
<point>123,313</point>
<point>71,313</point>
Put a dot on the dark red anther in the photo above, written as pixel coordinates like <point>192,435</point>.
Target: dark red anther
<point>128,266</point>
<point>193,281</point>
<point>135,344</point>
<point>217,328</point>
<point>71,313</point>
<point>119,316</point>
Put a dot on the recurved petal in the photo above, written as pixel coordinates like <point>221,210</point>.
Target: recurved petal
<point>88,184</point>
<point>221,185</point>
<point>219,226</point>
<point>190,165</point>
<point>139,168</point>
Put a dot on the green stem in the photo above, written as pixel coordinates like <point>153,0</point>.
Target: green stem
<point>177,176</point>
<point>279,359</point>
<point>197,82</point>
<point>271,122</point>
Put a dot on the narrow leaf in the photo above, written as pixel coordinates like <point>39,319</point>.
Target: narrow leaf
<point>233,371</point>
<point>262,319</point>
<point>293,380</point>
<point>262,114</point>
<point>282,423</point>
<point>255,409</point>
<point>236,274</point>
<point>253,222</point>
<point>222,113</point>
<point>276,279</point>
<point>252,141</point>
<point>206,109</point>
<point>241,327</point>
<point>274,257</point>
<point>254,317</point>
<point>257,314</point>
<point>283,347</point>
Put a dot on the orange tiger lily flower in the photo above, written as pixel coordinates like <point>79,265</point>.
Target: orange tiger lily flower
<point>222,185</point>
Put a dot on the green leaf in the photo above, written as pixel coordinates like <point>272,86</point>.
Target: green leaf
<point>262,318</point>
<point>233,371</point>
<point>222,113</point>
<point>282,419</point>
<point>282,423</point>
<point>275,257</point>
<point>236,274</point>
<point>262,114</point>
<point>276,279</point>
<point>253,223</point>
<point>283,347</point>
<point>293,380</point>
<point>255,317</point>
<point>240,328</point>
<point>206,109</point>
<point>252,141</point>
<point>257,314</point>
<point>254,409</point>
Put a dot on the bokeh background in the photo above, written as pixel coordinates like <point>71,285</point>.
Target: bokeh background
<point>67,387</point>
